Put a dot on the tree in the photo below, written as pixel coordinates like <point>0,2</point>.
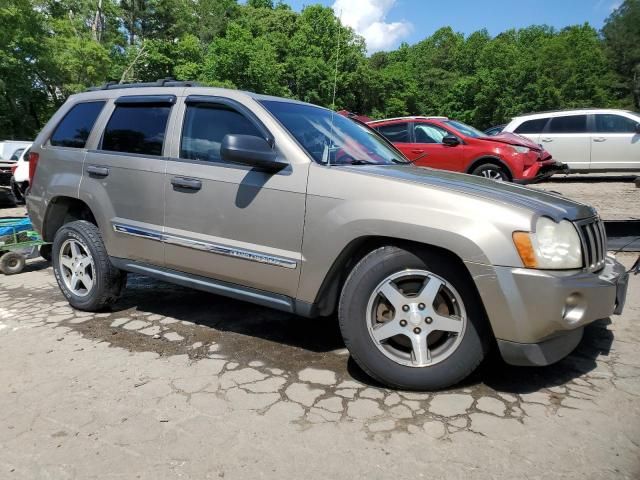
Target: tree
<point>622,39</point>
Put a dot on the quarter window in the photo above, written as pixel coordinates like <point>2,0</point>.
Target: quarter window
<point>607,123</point>
<point>396,132</point>
<point>74,129</point>
<point>427,133</point>
<point>532,126</point>
<point>204,128</point>
<point>568,124</point>
<point>136,128</point>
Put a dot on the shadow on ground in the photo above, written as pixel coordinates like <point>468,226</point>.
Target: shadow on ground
<point>293,342</point>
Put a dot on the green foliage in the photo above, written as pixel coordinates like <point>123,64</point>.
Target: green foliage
<point>622,40</point>
<point>52,48</point>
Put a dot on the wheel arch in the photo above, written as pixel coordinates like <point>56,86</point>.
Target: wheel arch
<point>326,300</point>
<point>489,159</point>
<point>62,210</point>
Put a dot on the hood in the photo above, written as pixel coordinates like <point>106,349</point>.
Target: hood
<point>513,139</point>
<point>552,205</point>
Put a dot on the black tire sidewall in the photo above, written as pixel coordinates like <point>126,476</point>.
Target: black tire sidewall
<point>365,278</point>
<point>6,258</point>
<point>76,231</point>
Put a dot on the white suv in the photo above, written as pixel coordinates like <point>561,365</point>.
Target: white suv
<point>586,140</point>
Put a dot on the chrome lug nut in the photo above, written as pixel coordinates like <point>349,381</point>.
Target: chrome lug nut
<point>428,320</point>
<point>405,308</point>
<point>403,323</point>
<point>421,306</point>
<point>416,330</point>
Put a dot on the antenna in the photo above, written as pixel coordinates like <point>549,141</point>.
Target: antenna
<point>335,82</point>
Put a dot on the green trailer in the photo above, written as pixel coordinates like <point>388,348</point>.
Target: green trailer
<point>19,242</point>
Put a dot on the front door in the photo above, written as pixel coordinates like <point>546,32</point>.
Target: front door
<point>431,152</point>
<point>568,140</point>
<point>124,176</point>
<point>227,221</point>
<point>615,143</point>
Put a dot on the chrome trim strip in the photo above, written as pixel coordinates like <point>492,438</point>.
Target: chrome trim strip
<point>206,246</point>
<point>138,232</point>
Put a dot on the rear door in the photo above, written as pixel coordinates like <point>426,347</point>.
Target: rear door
<point>615,142</point>
<point>124,177</point>
<point>568,140</point>
<point>399,133</point>
<point>227,221</point>
<point>430,150</point>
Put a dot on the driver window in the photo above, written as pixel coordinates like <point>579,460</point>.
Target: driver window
<point>204,128</point>
<point>427,133</point>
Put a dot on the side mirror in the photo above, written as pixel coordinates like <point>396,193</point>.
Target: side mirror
<point>250,150</point>
<point>451,140</point>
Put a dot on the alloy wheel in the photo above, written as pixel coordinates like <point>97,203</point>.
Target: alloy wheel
<point>77,267</point>
<point>416,318</point>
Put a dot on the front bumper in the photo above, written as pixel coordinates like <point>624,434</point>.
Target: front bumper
<point>541,171</point>
<point>537,316</point>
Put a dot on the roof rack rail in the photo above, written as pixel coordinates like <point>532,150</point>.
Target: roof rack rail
<point>162,82</point>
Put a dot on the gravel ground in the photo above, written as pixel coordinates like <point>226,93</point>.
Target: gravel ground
<point>175,383</point>
<point>615,197</point>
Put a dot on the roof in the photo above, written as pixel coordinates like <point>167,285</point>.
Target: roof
<point>411,117</point>
<point>577,111</point>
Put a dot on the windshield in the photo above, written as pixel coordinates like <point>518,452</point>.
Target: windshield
<point>331,138</point>
<point>465,129</point>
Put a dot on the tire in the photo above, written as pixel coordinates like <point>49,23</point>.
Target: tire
<point>97,283</point>
<point>45,251</point>
<point>12,263</point>
<point>492,171</point>
<point>452,356</point>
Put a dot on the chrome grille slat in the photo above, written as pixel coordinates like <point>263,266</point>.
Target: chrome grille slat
<point>594,243</point>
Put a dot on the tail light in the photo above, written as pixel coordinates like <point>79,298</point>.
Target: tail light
<point>33,163</point>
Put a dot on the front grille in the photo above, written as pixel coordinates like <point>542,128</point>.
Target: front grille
<point>594,243</point>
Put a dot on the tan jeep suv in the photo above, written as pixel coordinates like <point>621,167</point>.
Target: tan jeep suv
<point>294,207</point>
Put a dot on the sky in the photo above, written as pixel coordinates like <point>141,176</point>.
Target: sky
<point>386,23</point>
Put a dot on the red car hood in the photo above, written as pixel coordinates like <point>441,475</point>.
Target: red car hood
<point>513,139</point>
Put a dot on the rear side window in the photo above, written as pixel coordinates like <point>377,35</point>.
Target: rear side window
<point>136,128</point>
<point>428,133</point>
<point>16,154</point>
<point>532,126</point>
<point>204,128</point>
<point>568,124</point>
<point>607,123</point>
<point>74,129</point>
<point>395,133</point>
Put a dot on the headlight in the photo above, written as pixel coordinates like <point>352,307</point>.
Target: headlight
<point>519,149</point>
<point>553,246</point>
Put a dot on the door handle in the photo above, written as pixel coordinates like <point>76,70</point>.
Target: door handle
<point>547,140</point>
<point>417,150</point>
<point>599,139</point>
<point>97,171</point>
<point>186,183</point>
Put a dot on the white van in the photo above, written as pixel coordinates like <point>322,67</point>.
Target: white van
<point>587,140</point>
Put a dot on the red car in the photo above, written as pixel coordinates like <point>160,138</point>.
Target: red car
<point>439,142</point>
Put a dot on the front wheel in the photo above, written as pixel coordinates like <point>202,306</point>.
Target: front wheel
<point>82,267</point>
<point>492,171</point>
<point>412,320</point>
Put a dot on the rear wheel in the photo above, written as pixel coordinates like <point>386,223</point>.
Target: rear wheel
<point>492,171</point>
<point>412,320</point>
<point>82,267</point>
<point>12,263</point>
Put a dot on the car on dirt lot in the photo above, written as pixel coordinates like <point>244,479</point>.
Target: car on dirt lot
<point>588,140</point>
<point>439,142</point>
<point>295,207</point>
<point>20,175</point>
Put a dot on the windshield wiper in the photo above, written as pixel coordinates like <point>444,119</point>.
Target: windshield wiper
<point>360,161</point>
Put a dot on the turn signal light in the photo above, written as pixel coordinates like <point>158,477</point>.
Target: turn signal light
<point>525,249</point>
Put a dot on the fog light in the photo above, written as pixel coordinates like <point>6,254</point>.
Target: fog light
<point>574,309</point>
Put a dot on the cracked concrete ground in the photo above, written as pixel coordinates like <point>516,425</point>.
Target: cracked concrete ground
<point>174,383</point>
